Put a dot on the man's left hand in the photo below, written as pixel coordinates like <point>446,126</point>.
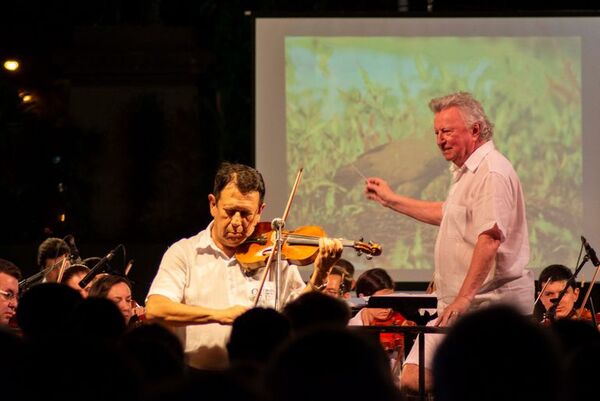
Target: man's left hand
<point>330,250</point>
<point>453,311</point>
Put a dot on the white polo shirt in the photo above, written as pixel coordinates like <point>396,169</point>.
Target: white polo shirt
<point>485,192</point>
<point>194,271</point>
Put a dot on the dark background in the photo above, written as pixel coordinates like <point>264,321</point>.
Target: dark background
<point>133,105</point>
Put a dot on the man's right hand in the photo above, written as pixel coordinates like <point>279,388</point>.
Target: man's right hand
<point>228,315</point>
<point>378,190</point>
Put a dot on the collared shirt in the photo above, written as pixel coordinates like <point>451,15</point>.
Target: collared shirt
<point>485,192</point>
<point>194,271</point>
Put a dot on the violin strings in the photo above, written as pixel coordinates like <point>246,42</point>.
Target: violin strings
<point>298,236</point>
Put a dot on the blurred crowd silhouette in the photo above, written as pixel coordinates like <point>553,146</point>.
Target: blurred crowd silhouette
<point>70,348</point>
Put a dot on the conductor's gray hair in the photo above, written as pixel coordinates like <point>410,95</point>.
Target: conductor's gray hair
<point>470,108</point>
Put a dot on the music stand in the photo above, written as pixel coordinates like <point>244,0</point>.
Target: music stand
<point>407,305</point>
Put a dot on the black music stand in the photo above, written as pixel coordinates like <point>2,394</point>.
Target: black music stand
<point>407,305</point>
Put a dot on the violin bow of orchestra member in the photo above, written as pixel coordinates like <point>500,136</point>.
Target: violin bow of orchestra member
<point>482,245</point>
<point>200,287</point>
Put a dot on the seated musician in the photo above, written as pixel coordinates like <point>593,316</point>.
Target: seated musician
<point>378,282</point>
<point>53,254</point>
<point>373,282</point>
<point>117,289</point>
<point>9,291</point>
<point>340,280</point>
<point>558,275</point>
<point>201,286</point>
<point>73,275</point>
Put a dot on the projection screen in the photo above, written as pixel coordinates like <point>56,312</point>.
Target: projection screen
<point>346,98</point>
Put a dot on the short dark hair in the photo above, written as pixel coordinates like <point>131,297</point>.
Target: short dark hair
<point>10,269</point>
<point>256,334</point>
<point>342,266</point>
<point>74,270</point>
<point>51,248</point>
<point>344,269</point>
<point>246,178</point>
<point>102,286</point>
<point>314,309</point>
<point>372,281</point>
<point>556,273</point>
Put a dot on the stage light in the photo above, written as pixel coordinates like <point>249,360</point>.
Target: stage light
<point>26,97</point>
<point>11,65</point>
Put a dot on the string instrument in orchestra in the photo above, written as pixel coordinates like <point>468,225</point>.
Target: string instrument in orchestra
<point>300,246</point>
<point>393,343</point>
<point>586,315</point>
<point>138,314</point>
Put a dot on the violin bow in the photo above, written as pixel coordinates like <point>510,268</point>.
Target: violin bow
<point>283,217</point>
<point>542,291</point>
<point>588,293</point>
<point>128,267</point>
<point>63,267</point>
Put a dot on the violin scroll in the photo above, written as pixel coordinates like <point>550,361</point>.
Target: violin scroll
<point>369,248</point>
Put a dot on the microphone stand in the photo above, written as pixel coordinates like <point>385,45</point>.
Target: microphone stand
<point>277,224</point>
<point>591,253</point>
<point>98,268</point>
<point>593,310</point>
<point>26,282</point>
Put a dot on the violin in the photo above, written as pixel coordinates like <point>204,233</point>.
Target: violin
<point>300,246</point>
<point>392,341</point>
<point>586,315</point>
<point>138,314</point>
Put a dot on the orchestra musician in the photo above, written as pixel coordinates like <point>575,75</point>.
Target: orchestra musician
<point>340,280</point>
<point>9,291</point>
<point>482,245</point>
<point>200,287</point>
<point>73,275</point>
<point>52,254</point>
<point>553,280</point>
<point>116,289</point>
<point>378,282</point>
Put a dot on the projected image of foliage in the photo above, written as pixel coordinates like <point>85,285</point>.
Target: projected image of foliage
<point>359,106</point>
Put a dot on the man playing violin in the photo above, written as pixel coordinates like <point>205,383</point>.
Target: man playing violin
<point>559,276</point>
<point>200,287</point>
<point>482,246</point>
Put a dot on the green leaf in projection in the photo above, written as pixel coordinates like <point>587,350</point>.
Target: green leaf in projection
<point>349,96</point>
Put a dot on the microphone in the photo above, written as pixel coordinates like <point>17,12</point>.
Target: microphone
<point>590,252</point>
<point>75,257</point>
<point>98,267</point>
<point>277,223</point>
